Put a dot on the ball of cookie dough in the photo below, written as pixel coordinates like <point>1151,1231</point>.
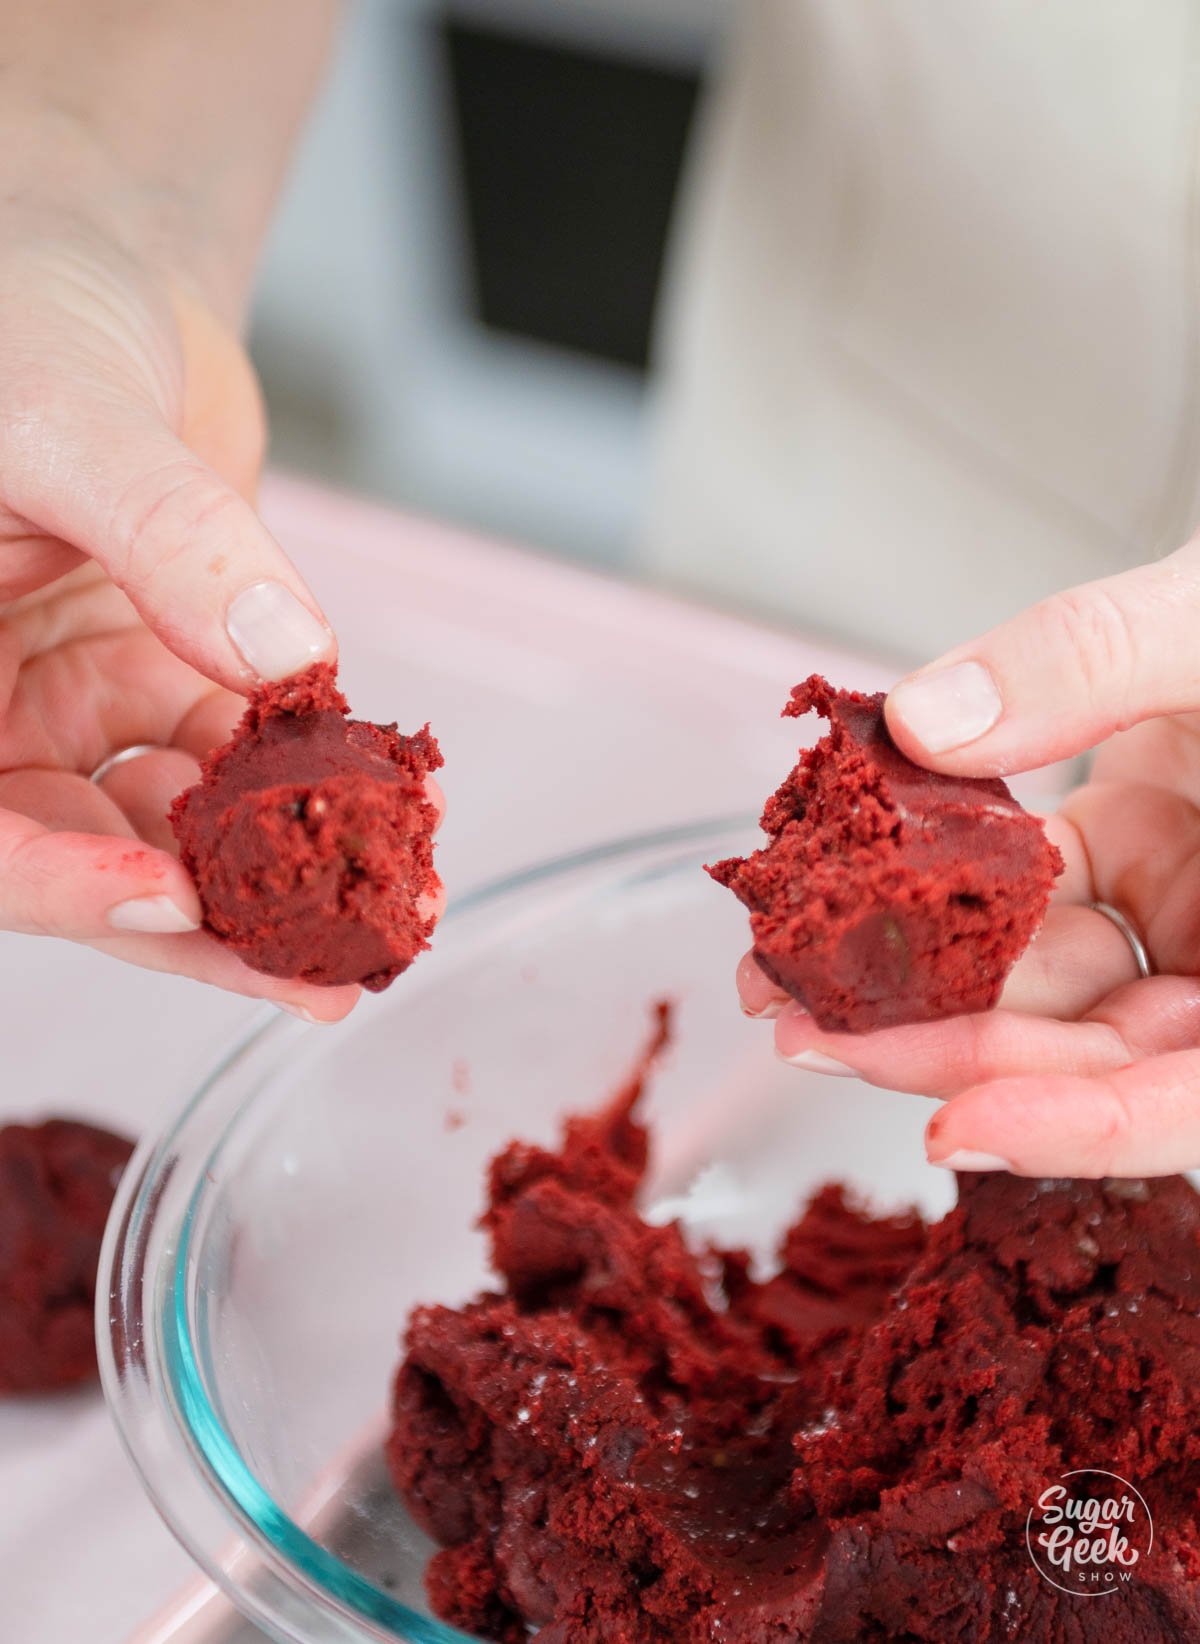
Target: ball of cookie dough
<point>888,893</point>
<point>310,838</point>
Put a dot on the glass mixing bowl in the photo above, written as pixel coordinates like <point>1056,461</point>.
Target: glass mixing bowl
<point>265,1251</point>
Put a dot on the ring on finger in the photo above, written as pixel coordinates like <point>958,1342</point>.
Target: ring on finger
<point>1128,930</point>
<point>122,756</point>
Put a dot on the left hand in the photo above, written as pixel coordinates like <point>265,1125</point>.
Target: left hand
<point>1084,1069</point>
<point>83,672</point>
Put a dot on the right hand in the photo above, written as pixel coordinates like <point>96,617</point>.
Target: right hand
<point>1087,1068</point>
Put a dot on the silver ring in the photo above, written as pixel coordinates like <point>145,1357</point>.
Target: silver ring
<point>1141,953</point>
<point>135,750</point>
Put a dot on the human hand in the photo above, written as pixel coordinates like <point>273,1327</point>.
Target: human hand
<point>138,589</point>
<point>1085,1068</point>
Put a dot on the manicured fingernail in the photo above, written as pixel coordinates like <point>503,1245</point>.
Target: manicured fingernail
<point>156,915</point>
<point>768,1012</point>
<point>297,1010</point>
<point>276,634</point>
<point>815,1062</point>
<point>947,708</point>
<point>967,1160</point>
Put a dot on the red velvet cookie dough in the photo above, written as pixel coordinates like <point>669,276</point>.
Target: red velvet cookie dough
<point>888,893</point>
<point>627,1442</point>
<point>1047,1326</point>
<point>310,838</point>
<point>57,1181</point>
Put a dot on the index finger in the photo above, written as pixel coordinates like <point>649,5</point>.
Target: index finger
<point>198,564</point>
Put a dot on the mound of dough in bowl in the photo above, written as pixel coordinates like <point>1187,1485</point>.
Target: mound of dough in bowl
<point>633,1441</point>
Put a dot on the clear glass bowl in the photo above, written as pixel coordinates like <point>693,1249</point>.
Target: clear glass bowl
<point>266,1250</point>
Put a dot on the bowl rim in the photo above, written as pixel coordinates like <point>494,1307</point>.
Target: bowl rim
<point>188,1463</point>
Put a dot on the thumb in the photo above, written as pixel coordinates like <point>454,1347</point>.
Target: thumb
<point>192,555</point>
<point>1060,677</point>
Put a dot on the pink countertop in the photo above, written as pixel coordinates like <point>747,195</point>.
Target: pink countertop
<point>571,709</point>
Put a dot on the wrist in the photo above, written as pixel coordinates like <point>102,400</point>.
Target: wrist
<point>67,176</point>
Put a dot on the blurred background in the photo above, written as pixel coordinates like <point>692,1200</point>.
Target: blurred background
<point>456,307</point>
<point>876,320</point>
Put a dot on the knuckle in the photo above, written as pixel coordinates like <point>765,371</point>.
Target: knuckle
<point>1113,1049</point>
<point>28,419</point>
<point>161,515</point>
<point>1093,626</point>
<point>1112,1123</point>
<point>23,887</point>
<point>971,1059</point>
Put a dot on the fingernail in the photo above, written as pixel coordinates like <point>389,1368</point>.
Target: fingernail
<point>297,1010</point>
<point>965,1159</point>
<point>949,707</point>
<point>768,1012</point>
<point>275,633</point>
<point>156,915</point>
<point>815,1062</point>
